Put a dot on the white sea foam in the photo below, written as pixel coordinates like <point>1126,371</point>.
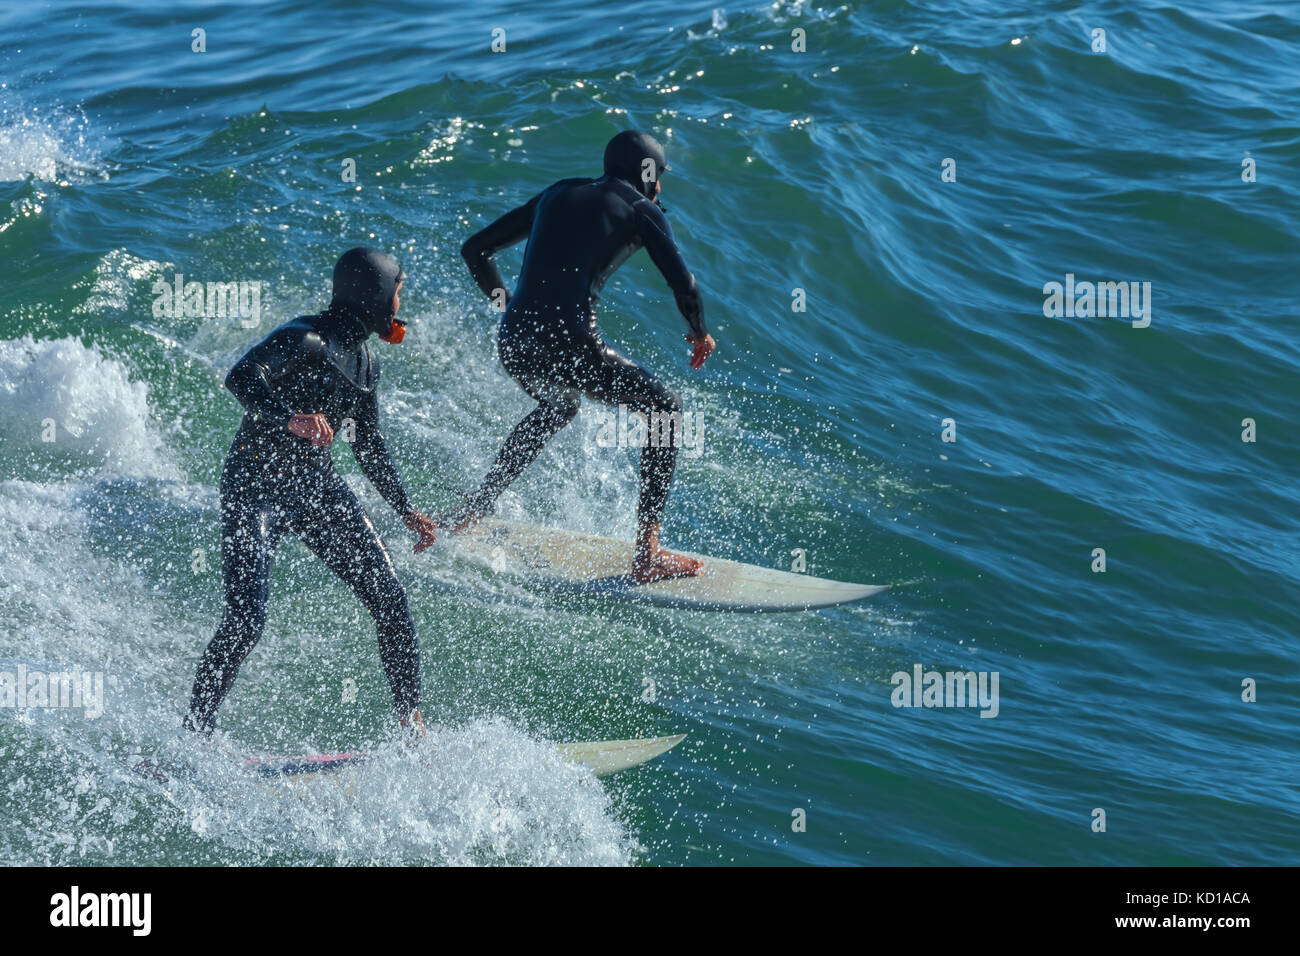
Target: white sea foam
<point>52,146</point>
<point>116,276</point>
<point>483,793</point>
<point>60,598</point>
<point>87,401</point>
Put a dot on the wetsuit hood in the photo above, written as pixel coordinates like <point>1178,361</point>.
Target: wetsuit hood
<point>365,280</point>
<point>625,157</point>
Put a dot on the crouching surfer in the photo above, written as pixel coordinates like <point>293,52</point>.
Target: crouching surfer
<point>579,231</point>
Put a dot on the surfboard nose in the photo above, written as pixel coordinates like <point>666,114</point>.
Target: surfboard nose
<point>610,756</point>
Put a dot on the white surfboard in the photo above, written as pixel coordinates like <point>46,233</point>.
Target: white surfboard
<point>600,566</point>
<point>602,756</point>
<point>610,756</point>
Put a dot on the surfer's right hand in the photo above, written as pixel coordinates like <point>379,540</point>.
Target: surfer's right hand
<point>703,349</point>
<point>315,427</point>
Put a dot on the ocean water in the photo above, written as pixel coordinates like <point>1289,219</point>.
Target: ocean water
<point>1170,157</point>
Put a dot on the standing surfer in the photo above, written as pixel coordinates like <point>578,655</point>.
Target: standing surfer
<point>306,380</point>
<point>579,231</point>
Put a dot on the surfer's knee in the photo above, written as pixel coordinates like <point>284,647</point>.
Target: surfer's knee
<point>563,410</point>
<point>385,598</point>
<point>664,401</point>
<point>243,619</point>
<point>237,635</point>
<point>663,412</point>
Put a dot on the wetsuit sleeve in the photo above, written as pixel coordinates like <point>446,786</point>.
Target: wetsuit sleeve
<point>253,378</point>
<point>371,451</point>
<point>480,249</point>
<point>657,237</point>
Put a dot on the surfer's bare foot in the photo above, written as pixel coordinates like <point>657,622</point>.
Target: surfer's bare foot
<point>663,565</point>
<point>413,726</point>
<point>653,563</point>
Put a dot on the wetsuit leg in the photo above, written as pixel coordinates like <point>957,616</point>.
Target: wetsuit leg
<point>556,376</point>
<point>337,529</point>
<point>548,379</point>
<point>251,524</point>
<point>521,448</point>
<point>615,379</point>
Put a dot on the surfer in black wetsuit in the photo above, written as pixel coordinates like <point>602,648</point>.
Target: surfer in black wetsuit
<point>579,231</point>
<point>307,380</point>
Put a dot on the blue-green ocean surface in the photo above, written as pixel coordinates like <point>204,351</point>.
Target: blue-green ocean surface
<point>921,172</point>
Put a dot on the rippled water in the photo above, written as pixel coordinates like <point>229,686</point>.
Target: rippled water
<point>125,158</point>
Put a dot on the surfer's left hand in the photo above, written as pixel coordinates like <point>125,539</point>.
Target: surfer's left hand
<point>424,529</point>
<point>703,349</point>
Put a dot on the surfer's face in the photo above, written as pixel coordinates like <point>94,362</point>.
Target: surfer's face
<point>396,329</point>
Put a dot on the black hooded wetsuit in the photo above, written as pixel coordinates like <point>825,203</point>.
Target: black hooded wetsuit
<point>275,482</point>
<point>579,231</point>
